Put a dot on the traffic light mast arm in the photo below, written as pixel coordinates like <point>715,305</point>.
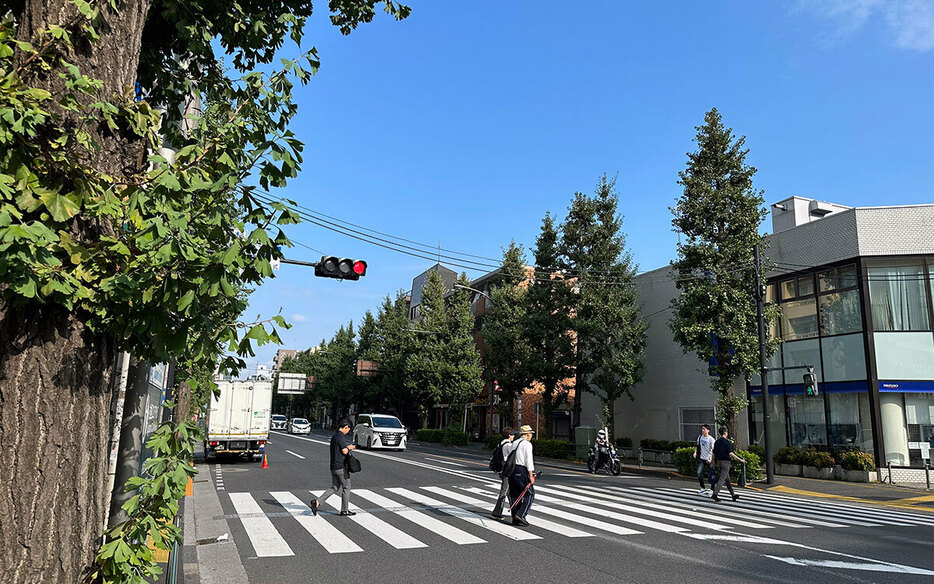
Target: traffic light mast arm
<point>299,263</point>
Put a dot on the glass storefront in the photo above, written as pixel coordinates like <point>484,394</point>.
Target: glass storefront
<point>850,421</point>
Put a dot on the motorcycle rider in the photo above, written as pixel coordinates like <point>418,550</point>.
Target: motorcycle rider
<point>602,447</point>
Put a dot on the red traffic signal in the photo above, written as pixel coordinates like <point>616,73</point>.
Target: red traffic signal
<point>340,268</point>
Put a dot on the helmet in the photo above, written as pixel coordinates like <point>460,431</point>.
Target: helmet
<point>601,434</point>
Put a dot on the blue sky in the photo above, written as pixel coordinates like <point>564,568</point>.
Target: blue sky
<point>465,123</point>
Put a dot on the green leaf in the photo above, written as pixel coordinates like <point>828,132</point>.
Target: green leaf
<point>61,207</point>
<point>185,301</point>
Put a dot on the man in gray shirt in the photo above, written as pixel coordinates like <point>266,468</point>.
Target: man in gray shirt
<point>703,452</point>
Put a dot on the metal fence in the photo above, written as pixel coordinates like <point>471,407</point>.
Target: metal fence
<point>906,475</point>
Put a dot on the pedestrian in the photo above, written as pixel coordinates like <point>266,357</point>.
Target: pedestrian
<point>505,446</point>
<point>723,452</point>
<point>703,452</point>
<point>341,445</point>
<point>521,483</point>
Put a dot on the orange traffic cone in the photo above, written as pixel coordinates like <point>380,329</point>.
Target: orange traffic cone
<point>265,464</point>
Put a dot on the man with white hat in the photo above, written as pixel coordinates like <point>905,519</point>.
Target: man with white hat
<point>521,491</point>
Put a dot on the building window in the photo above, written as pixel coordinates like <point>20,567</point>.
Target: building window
<point>904,356</point>
<point>850,422</point>
<point>801,353</point>
<point>805,286</point>
<point>840,314</point>
<point>788,289</point>
<point>898,297</point>
<point>799,319</point>
<point>919,415</point>
<point>838,278</point>
<point>692,419</point>
<point>844,358</point>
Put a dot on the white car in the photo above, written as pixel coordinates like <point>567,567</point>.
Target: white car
<point>379,431</point>
<point>299,426</point>
<point>279,422</point>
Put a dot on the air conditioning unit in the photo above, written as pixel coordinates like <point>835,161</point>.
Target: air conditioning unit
<point>820,208</point>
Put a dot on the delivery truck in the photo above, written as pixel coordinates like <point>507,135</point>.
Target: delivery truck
<point>239,418</point>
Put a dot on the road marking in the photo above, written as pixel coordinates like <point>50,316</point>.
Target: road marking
<point>841,512</point>
<point>326,534</point>
<point>546,510</point>
<point>386,532</point>
<point>635,504</point>
<point>266,540</point>
<point>799,516</point>
<point>294,454</point>
<point>867,567</point>
<point>468,516</point>
<point>446,462</point>
<point>430,523</point>
<point>539,522</point>
<point>709,511</point>
<point>567,499</point>
<point>791,491</point>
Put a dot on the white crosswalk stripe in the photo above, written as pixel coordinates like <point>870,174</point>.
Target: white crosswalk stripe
<point>263,536</point>
<point>324,533</point>
<point>430,523</point>
<point>386,532</point>
<point>404,518</point>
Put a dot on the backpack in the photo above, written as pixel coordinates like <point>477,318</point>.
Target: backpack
<point>496,462</point>
<point>510,465</point>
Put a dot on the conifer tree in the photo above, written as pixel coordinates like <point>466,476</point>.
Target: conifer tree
<point>547,324</point>
<point>507,355</point>
<point>608,322</point>
<point>718,218</point>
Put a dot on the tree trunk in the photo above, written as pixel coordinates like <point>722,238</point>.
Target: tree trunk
<point>55,390</point>
<point>55,426</point>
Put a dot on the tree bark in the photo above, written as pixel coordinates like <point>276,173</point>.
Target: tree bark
<point>55,429</point>
<point>55,390</point>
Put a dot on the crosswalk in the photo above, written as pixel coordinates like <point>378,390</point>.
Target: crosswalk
<point>419,517</point>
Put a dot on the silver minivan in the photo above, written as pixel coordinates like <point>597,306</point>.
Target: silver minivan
<point>379,431</point>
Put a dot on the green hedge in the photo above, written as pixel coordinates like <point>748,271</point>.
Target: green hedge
<point>685,461</point>
<point>819,459</point>
<point>624,443</point>
<point>492,441</point>
<point>757,450</point>
<point>687,464</point>
<point>561,449</point>
<point>789,455</point>
<point>855,460</point>
<point>446,436</point>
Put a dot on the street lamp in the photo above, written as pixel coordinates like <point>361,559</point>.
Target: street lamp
<point>484,294</point>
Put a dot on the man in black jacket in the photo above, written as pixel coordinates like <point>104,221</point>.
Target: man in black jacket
<point>341,445</point>
<point>722,453</point>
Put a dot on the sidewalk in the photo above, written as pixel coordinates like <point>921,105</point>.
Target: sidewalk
<point>208,554</point>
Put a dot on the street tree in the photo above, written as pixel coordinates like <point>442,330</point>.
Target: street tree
<point>506,350</point>
<point>112,243</point>
<point>718,217</point>
<point>396,345</point>
<point>547,327</point>
<point>607,317</point>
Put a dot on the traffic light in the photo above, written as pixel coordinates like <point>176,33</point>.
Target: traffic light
<point>340,268</point>
<point>810,383</point>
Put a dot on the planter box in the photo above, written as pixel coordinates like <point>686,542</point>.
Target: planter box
<point>812,472</point>
<point>860,476</point>
<point>788,470</point>
<point>838,472</point>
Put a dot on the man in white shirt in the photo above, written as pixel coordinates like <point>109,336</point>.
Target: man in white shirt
<point>521,490</point>
<point>703,452</point>
<point>506,446</point>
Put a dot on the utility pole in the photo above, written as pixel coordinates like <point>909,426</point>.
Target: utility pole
<point>763,368</point>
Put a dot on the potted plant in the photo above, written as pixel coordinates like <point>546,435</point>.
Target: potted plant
<point>858,467</point>
<point>819,464</point>
<point>788,461</point>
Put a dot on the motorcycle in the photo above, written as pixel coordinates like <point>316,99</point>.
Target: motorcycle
<point>608,462</point>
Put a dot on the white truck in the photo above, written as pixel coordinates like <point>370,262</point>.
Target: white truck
<point>239,419</point>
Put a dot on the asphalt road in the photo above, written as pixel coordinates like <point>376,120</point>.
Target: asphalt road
<point>426,519</point>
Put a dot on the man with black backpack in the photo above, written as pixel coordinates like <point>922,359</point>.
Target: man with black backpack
<point>500,454</point>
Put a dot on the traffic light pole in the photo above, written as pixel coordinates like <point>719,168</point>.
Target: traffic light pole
<point>764,369</point>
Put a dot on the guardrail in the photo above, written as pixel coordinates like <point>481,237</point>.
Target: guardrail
<point>906,475</point>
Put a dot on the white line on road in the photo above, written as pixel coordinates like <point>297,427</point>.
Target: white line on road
<point>468,516</point>
<point>391,535</point>
<point>265,539</point>
<point>867,567</point>
<point>445,462</point>
<point>424,520</point>
<point>326,534</point>
<point>294,454</point>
